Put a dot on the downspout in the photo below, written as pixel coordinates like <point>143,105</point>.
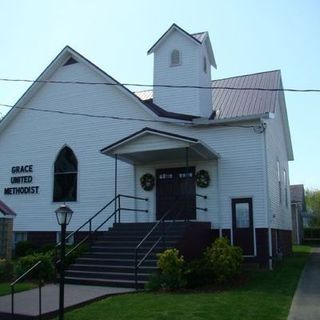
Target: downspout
<point>267,198</point>
<point>219,197</point>
<point>115,185</point>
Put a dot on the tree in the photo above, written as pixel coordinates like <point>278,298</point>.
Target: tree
<point>313,203</point>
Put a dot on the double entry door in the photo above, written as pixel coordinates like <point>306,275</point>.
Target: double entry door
<point>176,193</point>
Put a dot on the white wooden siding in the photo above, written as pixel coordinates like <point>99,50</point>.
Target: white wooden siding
<point>189,72</point>
<point>280,215</point>
<point>36,138</point>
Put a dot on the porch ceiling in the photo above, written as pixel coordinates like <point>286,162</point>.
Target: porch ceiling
<point>149,145</point>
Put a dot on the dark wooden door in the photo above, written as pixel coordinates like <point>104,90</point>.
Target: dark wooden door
<point>176,189</point>
<point>242,221</point>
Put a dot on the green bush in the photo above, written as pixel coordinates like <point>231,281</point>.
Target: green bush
<point>71,257</point>
<point>171,265</point>
<point>45,270</point>
<point>23,248</point>
<point>222,261</point>
<point>154,283</point>
<point>6,270</point>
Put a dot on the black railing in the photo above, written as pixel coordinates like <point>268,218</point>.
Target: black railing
<point>12,285</point>
<point>91,231</point>
<point>203,197</point>
<point>117,219</point>
<point>164,229</point>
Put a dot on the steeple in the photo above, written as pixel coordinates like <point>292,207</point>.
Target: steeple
<point>183,59</point>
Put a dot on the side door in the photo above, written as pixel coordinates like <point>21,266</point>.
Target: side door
<point>242,222</point>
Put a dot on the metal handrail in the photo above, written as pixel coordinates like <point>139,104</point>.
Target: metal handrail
<point>203,197</point>
<point>19,279</point>
<point>138,264</point>
<point>92,232</point>
<point>89,221</point>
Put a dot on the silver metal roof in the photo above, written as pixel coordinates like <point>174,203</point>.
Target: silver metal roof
<point>239,103</point>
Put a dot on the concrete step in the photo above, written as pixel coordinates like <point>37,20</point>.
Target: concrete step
<point>114,262</point>
<point>107,275</point>
<point>115,268</point>
<point>104,282</point>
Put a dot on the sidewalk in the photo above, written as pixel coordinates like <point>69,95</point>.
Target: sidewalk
<point>306,301</point>
<point>27,302</point>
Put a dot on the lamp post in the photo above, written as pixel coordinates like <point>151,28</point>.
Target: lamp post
<point>64,214</point>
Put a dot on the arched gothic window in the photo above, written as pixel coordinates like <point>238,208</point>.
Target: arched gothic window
<point>175,58</point>
<point>65,176</point>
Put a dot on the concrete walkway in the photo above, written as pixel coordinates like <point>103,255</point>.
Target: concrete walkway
<point>27,302</point>
<point>306,302</point>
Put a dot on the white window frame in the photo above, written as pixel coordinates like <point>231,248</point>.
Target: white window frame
<point>285,184</point>
<point>205,64</point>
<point>24,237</point>
<point>172,63</point>
<point>279,181</point>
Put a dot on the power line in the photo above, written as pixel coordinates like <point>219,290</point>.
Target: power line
<point>89,115</point>
<point>162,85</point>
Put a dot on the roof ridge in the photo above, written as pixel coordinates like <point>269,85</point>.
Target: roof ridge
<point>248,74</point>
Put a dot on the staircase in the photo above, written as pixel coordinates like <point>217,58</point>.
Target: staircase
<point>110,260</point>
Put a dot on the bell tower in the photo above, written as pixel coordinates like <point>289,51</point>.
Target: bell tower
<point>183,59</point>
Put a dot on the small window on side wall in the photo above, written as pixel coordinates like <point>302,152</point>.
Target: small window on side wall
<point>175,58</point>
<point>65,176</point>
<point>205,67</point>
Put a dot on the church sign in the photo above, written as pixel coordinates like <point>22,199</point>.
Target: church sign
<point>22,177</point>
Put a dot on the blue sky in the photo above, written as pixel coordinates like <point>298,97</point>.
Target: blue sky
<point>247,37</point>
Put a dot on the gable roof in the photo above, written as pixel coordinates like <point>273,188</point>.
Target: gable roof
<point>197,38</point>
<point>230,104</point>
<point>175,142</point>
<point>63,58</point>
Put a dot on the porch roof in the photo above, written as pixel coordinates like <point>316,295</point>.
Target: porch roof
<point>149,145</point>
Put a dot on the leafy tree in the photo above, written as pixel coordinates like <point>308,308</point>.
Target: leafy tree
<point>313,203</point>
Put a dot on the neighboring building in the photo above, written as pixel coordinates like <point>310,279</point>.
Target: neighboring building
<point>298,209</point>
<point>6,226</point>
<point>241,138</point>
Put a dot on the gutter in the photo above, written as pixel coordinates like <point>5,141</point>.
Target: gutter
<point>207,122</point>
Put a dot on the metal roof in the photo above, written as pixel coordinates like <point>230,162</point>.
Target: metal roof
<point>239,103</point>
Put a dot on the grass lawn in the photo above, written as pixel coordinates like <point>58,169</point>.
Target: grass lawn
<point>266,295</point>
<point>5,287</point>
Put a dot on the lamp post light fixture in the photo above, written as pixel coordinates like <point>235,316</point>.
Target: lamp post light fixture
<point>64,214</point>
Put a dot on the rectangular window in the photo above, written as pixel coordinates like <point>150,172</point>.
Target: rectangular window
<point>242,215</point>
<point>285,187</point>
<point>279,181</point>
<point>19,236</point>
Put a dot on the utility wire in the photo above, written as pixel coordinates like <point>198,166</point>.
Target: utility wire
<point>161,85</point>
<point>89,115</point>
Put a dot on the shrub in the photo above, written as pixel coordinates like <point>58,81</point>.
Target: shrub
<point>6,270</point>
<point>23,248</point>
<point>171,265</point>
<point>223,261</point>
<point>45,270</point>
<point>71,257</point>
<point>154,283</point>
